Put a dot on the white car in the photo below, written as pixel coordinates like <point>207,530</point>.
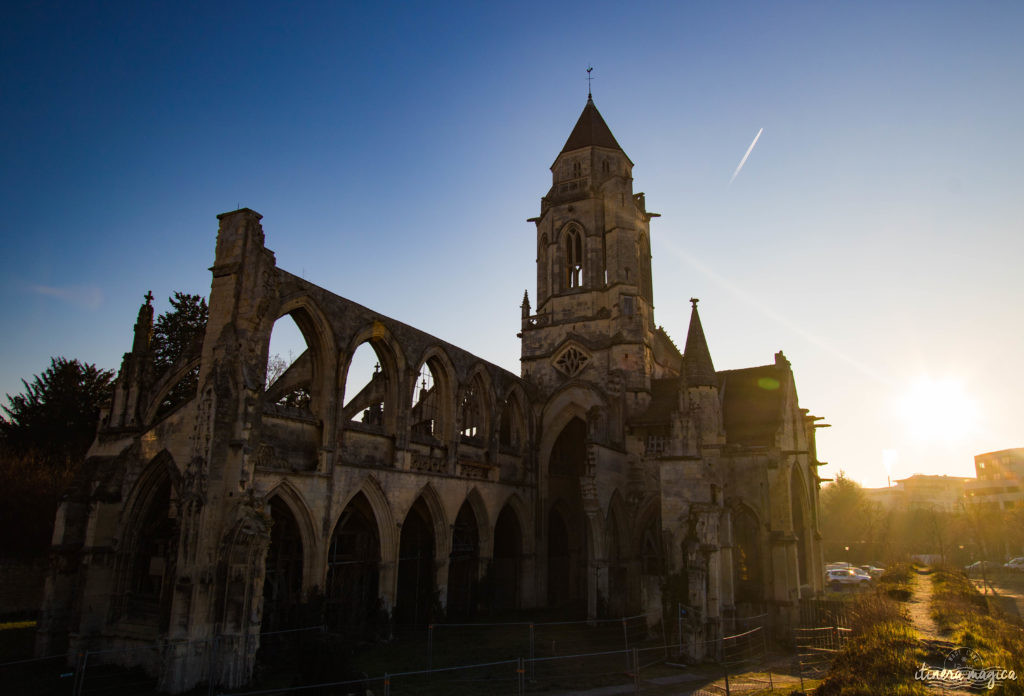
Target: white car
<point>1015,563</point>
<point>838,577</point>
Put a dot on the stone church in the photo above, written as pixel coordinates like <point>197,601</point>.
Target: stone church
<point>615,476</point>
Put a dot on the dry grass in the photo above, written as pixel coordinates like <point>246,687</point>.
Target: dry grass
<point>881,657</point>
<point>968,619</point>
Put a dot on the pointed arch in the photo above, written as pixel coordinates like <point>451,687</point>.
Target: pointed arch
<point>386,386</point>
<point>524,518</point>
<point>513,426</point>
<point>354,557</point>
<point>507,558</point>
<point>320,342</point>
<point>383,516</point>
<point>438,516</point>
<point>284,568</point>
<point>158,408</point>
<point>476,501</point>
<point>543,269</point>
<point>416,595</point>
<point>147,553</point>
<point>800,520</point>
<point>647,537</point>
<point>432,395</point>
<point>747,556</point>
<point>477,407</point>
<point>464,563</point>
<point>293,498</point>
<point>573,248</point>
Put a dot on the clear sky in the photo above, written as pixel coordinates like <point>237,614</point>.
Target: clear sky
<point>874,232</point>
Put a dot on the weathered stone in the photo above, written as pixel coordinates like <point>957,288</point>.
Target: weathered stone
<point>613,467</point>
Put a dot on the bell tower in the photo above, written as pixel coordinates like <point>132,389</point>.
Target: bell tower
<point>594,299</point>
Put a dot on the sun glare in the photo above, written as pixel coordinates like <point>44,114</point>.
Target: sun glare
<point>938,410</point>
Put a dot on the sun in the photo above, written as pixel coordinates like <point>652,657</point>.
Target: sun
<point>938,410</point>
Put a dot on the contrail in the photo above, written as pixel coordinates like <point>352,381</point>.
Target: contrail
<point>744,160</point>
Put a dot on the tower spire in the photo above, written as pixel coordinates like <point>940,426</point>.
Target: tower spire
<point>590,69</point>
<point>700,371</point>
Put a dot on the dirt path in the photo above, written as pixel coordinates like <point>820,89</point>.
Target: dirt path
<point>936,647</point>
<point>919,607</point>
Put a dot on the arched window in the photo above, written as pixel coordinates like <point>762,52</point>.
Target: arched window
<point>574,258</point>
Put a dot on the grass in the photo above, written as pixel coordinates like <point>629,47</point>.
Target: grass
<point>897,581</point>
<point>969,619</point>
<point>881,656</point>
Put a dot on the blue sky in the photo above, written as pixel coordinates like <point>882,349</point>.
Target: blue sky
<point>395,152</point>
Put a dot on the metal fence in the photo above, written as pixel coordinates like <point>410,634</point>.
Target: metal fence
<point>643,668</point>
<point>619,656</point>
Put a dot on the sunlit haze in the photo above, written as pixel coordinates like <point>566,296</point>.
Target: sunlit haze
<point>839,181</point>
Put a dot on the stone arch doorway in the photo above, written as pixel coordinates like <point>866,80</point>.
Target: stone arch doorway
<point>282,582</point>
<point>152,550</point>
<point>567,526</point>
<point>353,561</point>
<point>414,603</point>
<point>464,564</point>
<point>506,567</point>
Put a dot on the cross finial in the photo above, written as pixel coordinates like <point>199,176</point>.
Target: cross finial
<point>148,297</point>
<point>694,301</point>
<point>590,69</point>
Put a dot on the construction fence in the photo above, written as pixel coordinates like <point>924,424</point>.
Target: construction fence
<point>619,656</point>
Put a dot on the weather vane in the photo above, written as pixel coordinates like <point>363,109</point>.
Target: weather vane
<point>590,69</point>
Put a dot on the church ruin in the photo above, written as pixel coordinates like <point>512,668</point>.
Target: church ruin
<point>615,475</point>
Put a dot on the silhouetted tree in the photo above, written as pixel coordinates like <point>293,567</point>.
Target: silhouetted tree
<point>176,332</point>
<point>54,420</point>
<point>45,435</point>
<point>844,515</point>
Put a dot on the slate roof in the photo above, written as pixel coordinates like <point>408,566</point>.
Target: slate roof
<point>752,401</point>
<point>590,130</point>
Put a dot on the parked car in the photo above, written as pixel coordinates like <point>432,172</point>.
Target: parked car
<point>873,571</point>
<point>837,578</point>
<point>979,567</point>
<point>1015,564</point>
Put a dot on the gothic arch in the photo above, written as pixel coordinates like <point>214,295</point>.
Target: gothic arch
<point>424,548</point>
<point>483,519</point>
<point>291,497</point>
<point>316,332</point>
<point>647,537</point>
<point>801,524</point>
<point>383,516</point>
<point>392,360</point>
<point>312,322</point>
<point>513,426</point>
<point>442,370</point>
<point>748,559</point>
<point>569,548</point>
<point>168,382</point>
<point>543,269</point>
<point>147,551</point>
<point>477,401</point>
<point>524,517</point>
<point>442,541</point>
<point>571,401</point>
<point>573,248</point>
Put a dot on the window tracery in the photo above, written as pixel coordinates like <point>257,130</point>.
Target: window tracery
<point>571,361</point>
